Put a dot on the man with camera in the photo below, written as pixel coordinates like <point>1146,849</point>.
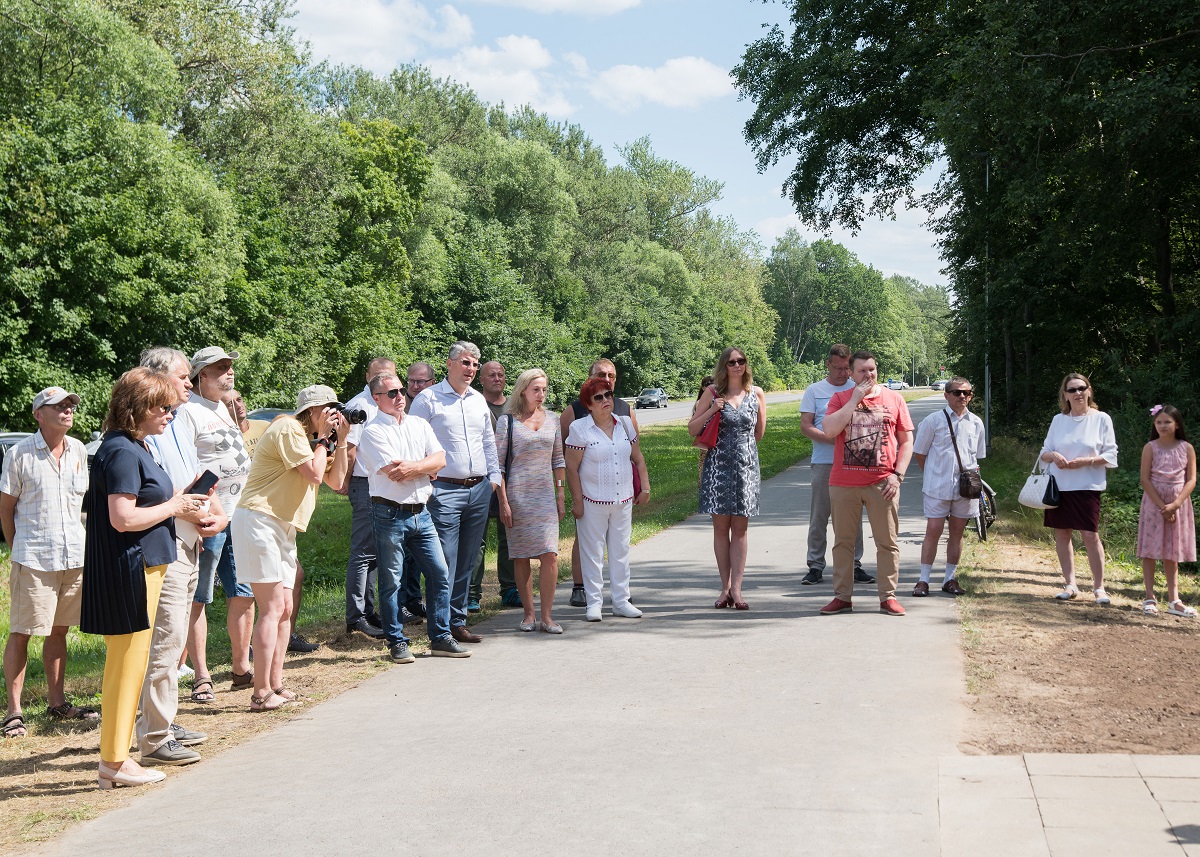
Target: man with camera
<point>949,444</point>
<point>462,423</point>
<point>362,576</point>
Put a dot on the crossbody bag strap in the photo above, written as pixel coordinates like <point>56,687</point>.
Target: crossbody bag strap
<point>954,441</point>
<point>508,449</point>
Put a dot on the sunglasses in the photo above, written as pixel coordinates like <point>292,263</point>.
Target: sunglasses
<point>600,397</point>
<point>962,394</point>
<point>470,364</point>
<point>1076,389</point>
<point>736,361</point>
<point>63,407</point>
<point>391,394</point>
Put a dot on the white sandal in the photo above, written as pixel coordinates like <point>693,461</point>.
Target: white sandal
<point>1150,607</point>
<point>1178,608</point>
<point>1102,599</point>
<point>1069,593</point>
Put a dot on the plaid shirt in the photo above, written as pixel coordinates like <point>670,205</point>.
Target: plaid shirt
<point>49,511</point>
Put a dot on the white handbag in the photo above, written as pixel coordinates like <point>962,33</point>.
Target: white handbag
<point>1040,490</point>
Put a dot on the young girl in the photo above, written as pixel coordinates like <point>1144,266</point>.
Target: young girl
<point>1166,525</point>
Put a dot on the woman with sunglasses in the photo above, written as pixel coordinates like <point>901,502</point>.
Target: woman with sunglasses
<point>598,453</point>
<point>729,477</point>
<point>1079,447</point>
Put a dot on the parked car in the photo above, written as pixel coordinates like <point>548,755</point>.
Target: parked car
<point>266,414</point>
<point>9,439</point>
<point>895,384</point>
<point>939,384</point>
<point>652,397</point>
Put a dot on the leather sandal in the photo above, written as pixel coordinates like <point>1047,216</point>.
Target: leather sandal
<point>200,693</point>
<point>264,703</point>
<point>241,681</point>
<point>67,711</point>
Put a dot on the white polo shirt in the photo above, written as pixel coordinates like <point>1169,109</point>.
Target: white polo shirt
<point>939,477</point>
<point>386,440</point>
<point>49,533</point>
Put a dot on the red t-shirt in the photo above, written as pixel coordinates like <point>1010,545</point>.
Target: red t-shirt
<point>865,451</point>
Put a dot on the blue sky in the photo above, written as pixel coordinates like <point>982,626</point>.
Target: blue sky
<point>621,69</point>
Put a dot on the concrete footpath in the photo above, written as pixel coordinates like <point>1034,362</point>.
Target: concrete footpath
<point>691,731</point>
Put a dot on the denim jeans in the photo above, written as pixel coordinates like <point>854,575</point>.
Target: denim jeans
<point>216,561</point>
<point>506,576</point>
<point>361,571</point>
<point>460,515</point>
<point>400,534</point>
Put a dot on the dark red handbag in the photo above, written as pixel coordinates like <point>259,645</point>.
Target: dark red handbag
<point>707,439</point>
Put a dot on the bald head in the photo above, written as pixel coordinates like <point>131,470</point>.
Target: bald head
<point>380,365</point>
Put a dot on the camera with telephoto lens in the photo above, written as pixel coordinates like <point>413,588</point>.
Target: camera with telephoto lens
<point>354,416</point>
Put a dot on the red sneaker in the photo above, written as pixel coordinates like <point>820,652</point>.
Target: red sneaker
<point>837,605</point>
<point>891,607</point>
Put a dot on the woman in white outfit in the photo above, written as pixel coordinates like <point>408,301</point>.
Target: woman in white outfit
<point>598,452</point>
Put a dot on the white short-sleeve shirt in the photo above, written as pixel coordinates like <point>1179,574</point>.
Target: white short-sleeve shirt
<point>606,473</point>
<point>815,401</point>
<point>939,477</point>
<point>49,533</point>
<point>385,440</point>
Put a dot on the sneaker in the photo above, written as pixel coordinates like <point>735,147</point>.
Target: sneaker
<point>187,737</point>
<point>510,598</point>
<point>171,753</point>
<point>417,608</point>
<point>593,614</point>
<point>186,672</point>
<point>301,646</point>
<point>407,617</point>
<point>861,576</point>
<point>400,654</point>
<point>365,627</point>
<point>448,648</point>
<point>626,611</point>
<point>578,597</point>
<point>921,589</point>
<point>835,606</point>
<point>473,606</point>
<point>891,607</point>
<point>814,576</point>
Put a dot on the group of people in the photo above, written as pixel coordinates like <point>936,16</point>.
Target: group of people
<point>185,490</point>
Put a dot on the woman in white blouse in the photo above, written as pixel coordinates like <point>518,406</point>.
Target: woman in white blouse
<point>598,452</point>
<point>1079,447</point>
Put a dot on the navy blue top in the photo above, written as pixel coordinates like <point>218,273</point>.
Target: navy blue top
<point>114,563</point>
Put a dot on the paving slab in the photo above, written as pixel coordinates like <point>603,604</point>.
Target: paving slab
<point>1080,765</point>
<point>1168,766</point>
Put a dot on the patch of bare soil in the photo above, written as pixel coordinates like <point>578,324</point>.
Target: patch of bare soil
<point>48,779</point>
<point>1071,677</point>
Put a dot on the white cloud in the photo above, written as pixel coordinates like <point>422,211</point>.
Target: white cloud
<point>516,72</point>
<point>679,82</point>
<point>379,34</point>
<point>583,7</point>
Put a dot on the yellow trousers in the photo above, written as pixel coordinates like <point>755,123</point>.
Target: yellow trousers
<point>124,669</point>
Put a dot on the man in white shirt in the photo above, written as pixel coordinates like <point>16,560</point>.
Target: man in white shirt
<point>462,491</point>
<point>362,577</point>
<point>400,453</point>
<point>934,450</point>
<point>812,416</point>
<point>41,502</point>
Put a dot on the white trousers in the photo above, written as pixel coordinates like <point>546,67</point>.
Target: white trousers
<point>601,525</point>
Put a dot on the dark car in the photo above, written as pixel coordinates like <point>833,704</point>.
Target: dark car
<point>9,439</point>
<point>266,414</point>
<point>652,397</point>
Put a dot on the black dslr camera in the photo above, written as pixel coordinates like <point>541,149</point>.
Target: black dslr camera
<point>354,416</point>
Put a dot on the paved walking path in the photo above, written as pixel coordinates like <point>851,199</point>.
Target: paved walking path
<point>692,731</point>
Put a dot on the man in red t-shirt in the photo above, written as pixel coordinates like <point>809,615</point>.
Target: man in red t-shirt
<point>872,437</point>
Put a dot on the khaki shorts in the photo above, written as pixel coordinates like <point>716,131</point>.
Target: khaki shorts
<point>41,600</point>
<point>958,508</point>
<point>265,547</point>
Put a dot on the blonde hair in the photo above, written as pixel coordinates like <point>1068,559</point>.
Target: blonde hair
<point>516,404</point>
<point>1064,402</point>
<point>721,372</point>
<point>134,395</point>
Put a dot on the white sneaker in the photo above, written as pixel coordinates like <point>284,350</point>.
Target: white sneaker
<point>593,613</point>
<point>186,672</point>
<point>626,611</point>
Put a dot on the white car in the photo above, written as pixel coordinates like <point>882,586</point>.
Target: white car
<point>895,384</point>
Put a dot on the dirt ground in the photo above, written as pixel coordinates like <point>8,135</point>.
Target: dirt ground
<point>48,780</point>
<point>1070,677</point>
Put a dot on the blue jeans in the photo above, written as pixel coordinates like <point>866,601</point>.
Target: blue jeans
<point>400,534</point>
<point>460,515</point>
<point>217,557</point>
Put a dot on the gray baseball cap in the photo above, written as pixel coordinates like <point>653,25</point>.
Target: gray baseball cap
<point>207,357</point>
<point>317,394</point>
<point>52,396</point>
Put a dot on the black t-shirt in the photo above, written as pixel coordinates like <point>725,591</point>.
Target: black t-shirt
<point>620,408</point>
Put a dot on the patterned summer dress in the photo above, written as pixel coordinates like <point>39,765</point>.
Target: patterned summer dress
<point>530,484</point>
<point>1158,538</point>
<point>729,479</point>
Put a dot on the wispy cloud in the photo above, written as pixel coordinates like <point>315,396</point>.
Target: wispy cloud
<point>679,82</point>
<point>582,7</point>
<point>516,71</point>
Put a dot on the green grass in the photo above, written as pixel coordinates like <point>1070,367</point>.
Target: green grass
<point>324,547</point>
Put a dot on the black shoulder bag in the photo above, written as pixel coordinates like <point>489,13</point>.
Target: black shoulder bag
<point>970,483</point>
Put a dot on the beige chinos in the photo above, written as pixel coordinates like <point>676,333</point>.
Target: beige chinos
<point>846,505</point>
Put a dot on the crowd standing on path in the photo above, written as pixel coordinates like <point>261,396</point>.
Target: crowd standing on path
<point>186,491</point>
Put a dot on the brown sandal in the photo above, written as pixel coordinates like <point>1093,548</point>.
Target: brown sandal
<point>241,681</point>
<point>201,695</point>
<point>260,703</point>
<point>288,695</point>
<point>67,711</point>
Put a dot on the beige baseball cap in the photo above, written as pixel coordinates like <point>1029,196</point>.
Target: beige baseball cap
<point>317,394</point>
<point>207,357</point>
<point>52,396</point>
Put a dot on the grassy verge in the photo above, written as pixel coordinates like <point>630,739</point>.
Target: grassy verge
<point>324,547</point>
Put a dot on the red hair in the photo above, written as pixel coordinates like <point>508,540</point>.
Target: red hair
<point>591,387</point>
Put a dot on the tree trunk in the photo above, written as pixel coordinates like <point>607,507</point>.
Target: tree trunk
<point>1163,274</point>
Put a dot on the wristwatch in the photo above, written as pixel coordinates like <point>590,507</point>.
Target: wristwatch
<point>898,475</point>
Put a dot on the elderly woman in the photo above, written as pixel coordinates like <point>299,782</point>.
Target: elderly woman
<point>1079,447</point>
<point>598,453</point>
<point>729,477</point>
<point>293,457</point>
<point>131,507</point>
<point>529,446</point>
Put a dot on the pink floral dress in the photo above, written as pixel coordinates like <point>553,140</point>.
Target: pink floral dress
<point>1157,537</point>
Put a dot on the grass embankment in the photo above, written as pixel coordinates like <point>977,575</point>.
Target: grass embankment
<point>324,547</point>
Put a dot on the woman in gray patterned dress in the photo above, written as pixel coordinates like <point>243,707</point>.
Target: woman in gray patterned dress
<point>729,480</point>
<point>531,496</point>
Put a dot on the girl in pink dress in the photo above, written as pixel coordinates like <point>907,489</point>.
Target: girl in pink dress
<point>1166,523</point>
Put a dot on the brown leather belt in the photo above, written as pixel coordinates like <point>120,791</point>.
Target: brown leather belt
<point>403,507</point>
<point>466,483</point>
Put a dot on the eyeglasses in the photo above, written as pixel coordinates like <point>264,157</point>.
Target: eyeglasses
<point>1074,390</point>
<point>419,382</point>
<point>736,361</point>
<point>470,364</point>
<point>600,397</point>
<point>391,394</point>
<point>962,394</point>
<point>62,407</point>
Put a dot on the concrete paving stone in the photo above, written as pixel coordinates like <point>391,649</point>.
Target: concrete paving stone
<point>982,788</point>
<point>1081,765</point>
<point>1184,821</point>
<point>1114,817</point>
<point>1132,789</point>
<point>999,827</point>
<point>1168,766</point>
<point>1085,842</point>
<point>982,766</point>
<point>1174,789</point>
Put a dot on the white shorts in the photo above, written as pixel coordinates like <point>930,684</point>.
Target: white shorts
<point>934,508</point>
<point>264,548</point>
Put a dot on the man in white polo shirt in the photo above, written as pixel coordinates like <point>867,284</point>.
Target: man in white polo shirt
<point>41,501</point>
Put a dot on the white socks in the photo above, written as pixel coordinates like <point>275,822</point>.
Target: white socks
<point>926,570</point>
<point>951,572</point>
